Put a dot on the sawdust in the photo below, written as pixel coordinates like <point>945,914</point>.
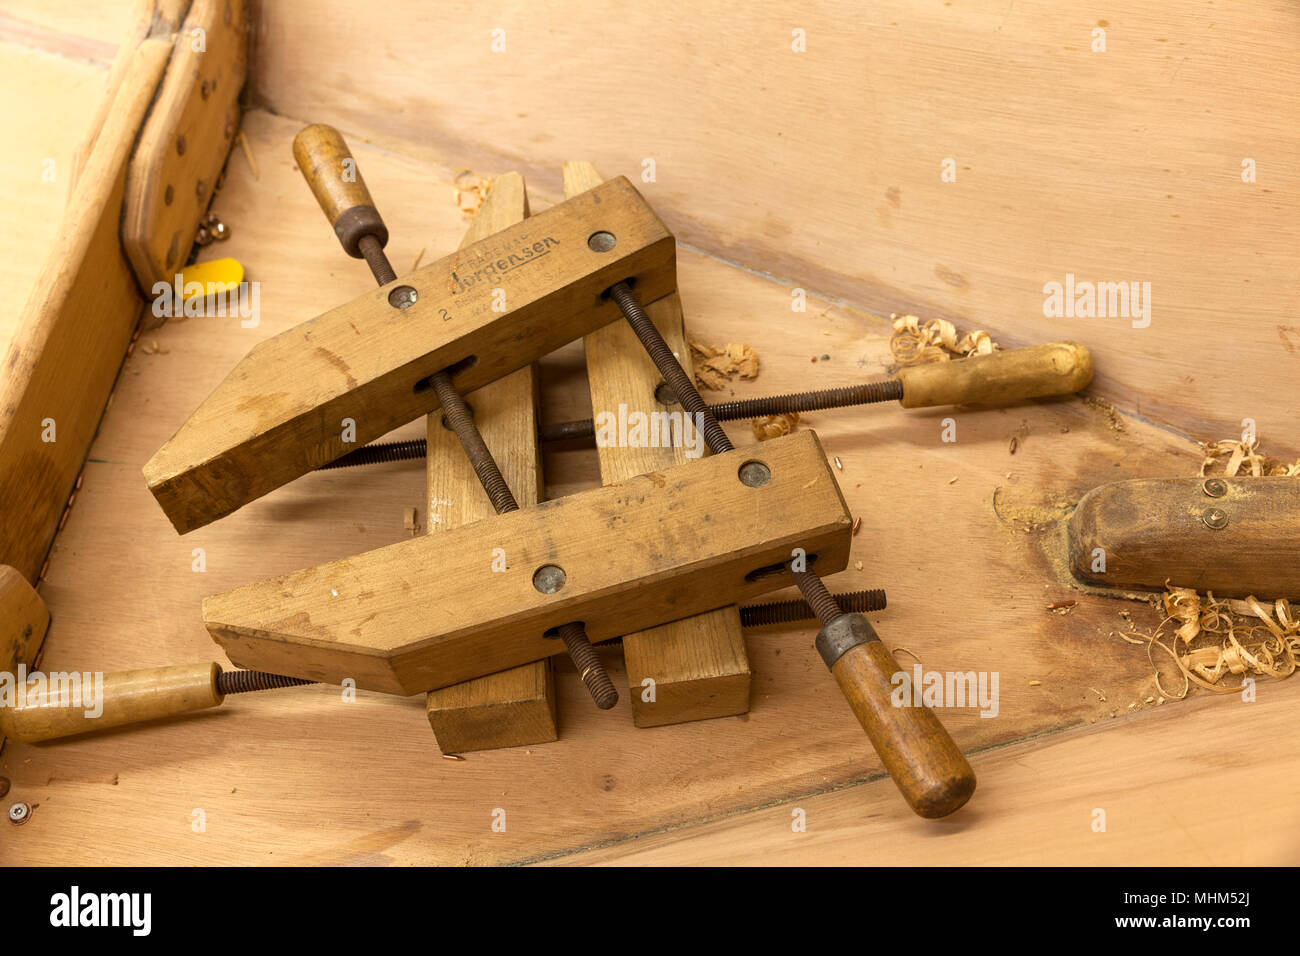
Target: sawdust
<point>1107,411</point>
<point>715,367</point>
<point>774,426</point>
<point>917,343</point>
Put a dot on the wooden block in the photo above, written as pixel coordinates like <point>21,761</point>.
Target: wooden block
<point>281,412</point>
<point>184,143</point>
<point>695,668</point>
<point>429,612</point>
<point>514,707</point>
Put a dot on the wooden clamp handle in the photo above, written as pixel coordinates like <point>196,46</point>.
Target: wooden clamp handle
<point>335,180</point>
<point>923,759</point>
<point>49,707</point>
<point>1059,368</point>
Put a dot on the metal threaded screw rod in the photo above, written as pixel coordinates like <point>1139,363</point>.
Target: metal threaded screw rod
<point>868,393</point>
<point>461,421</point>
<point>668,366</point>
<point>819,599</point>
<point>373,252</point>
<point>787,612</point>
<point>243,682</point>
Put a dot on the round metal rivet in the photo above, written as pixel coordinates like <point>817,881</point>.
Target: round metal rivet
<point>1215,487</point>
<point>403,297</point>
<point>601,241</point>
<point>549,578</point>
<point>664,394</point>
<point>755,474</point>
<point>19,812</point>
<point>1215,518</point>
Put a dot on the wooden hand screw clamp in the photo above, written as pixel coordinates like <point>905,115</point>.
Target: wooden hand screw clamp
<point>430,613</point>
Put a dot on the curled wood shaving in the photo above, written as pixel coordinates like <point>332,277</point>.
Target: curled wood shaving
<point>1246,638</point>
<point>774,426</point>
<point>1241,454</point>
<point>916,343</point>
<point>715,367</point>
<point>469,191</point>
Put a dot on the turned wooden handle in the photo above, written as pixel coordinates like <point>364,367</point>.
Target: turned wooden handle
<point>926,764</point>
<point>335,181</point>
<point>50,708</point>
<point>1059,368</point>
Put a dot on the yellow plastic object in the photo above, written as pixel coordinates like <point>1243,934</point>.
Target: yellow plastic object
<point>207,278</point>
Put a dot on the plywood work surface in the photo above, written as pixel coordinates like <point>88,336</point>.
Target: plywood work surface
<point>954,531</point>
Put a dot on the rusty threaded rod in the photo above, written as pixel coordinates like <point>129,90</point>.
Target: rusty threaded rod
<point>243,682</point>
<point>819,599</point>
<point>787,612</point>
<point>590,669</point>
<point>377,259</point>
<point>669,367</point>
<point>461,421</point>
<point>867,393</point>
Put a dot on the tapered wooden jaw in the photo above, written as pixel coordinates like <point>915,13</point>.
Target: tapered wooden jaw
<point>474,600</point>
<point>361,370</point>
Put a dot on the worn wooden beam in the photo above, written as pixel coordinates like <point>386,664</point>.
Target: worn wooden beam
<point>344,378</point>
<point>431,611</point>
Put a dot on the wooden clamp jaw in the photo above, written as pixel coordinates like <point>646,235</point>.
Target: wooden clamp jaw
<point>434,610</point>
<point>491,308</point>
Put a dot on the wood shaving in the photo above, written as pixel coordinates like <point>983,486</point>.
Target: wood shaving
<point>857,526</point>
<point>1246,638</point>
<point>839,464</point>
<point>917,343</point>
<point>1014,442</point>
<point>469,192</point>
<point>774,426</point>
<point>715,367</point>
<point>1241,454</point>
<point>1035,683</point>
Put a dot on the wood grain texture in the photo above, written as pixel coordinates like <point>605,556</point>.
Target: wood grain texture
<point>695,668</point>
<point>183,145</point>
<point>76,326</point>
<point>124,594</point>
<point>430,612</point>
<point>1153,531</point>
<point>1115,166</point>
<point>515,707</point>
<point>1121,795</point>
<point>281,412</point>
